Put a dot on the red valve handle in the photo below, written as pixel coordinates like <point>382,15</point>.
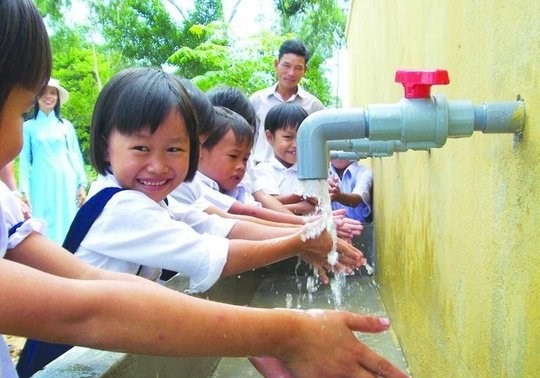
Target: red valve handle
<point>417,84</point>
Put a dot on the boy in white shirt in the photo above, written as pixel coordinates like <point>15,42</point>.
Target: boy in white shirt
<point>278,176</point>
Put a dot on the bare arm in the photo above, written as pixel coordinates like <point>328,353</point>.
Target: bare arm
<point>267,214</point>
<point>269,248</point>
<point>252,216</point>
<point>269,202</point>
<point>36,251</point>
<point>102,315</point>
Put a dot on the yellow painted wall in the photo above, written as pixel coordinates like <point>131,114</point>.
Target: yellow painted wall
<point>458,228</point>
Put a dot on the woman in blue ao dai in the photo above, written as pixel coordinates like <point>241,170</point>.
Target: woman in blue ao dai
<point>51,169</point>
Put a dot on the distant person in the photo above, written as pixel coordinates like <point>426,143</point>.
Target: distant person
<point>349,185</point>
<point>279,175</point>
<point>51,169</point>
<point>290,67</point>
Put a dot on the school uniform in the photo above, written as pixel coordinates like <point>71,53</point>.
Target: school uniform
<point>203,191</point>
<point>357,179</point>
<point>265,99</point>
<point>192,193</point>
<point>275,179</point>
<point>13,230</point>
<point>134,234</point>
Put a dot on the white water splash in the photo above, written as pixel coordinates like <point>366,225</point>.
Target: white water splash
<point>319,189</point>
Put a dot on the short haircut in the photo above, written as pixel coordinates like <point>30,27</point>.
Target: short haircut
<point>234,99</point>
<point>25,60</point>
<point>203,107</point>
<point>227,120</point>
<point>140,99</point>
<point>293,46</point>
<point>284,116</point>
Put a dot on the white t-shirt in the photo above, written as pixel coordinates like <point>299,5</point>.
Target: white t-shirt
<point>134,234</point>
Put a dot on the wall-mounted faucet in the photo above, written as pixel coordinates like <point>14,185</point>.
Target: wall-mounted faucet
<point>418,121</point>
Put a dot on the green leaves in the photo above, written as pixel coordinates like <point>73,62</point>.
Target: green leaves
<point>195,44</point>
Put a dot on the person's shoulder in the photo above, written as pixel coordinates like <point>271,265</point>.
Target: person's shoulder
<point>262,93</point>
<point>310,101</point>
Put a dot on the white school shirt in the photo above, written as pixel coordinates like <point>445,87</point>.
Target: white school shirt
<point>263,100</point>
<point>11,215</point>
<point>191,193</point>
<point>242,192</point>
<point>197,194</point>
<point>203,191</point>
<point>134,231</point>
<point>357,179</point>
<point>276,179</point>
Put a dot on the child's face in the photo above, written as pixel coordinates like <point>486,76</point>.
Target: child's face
<point>19,102</point>
<point>226,162</point>
<point>154,164</point>
<point>283,142</point>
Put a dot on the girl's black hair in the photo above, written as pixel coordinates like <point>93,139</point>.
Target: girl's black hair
<point>139,99</point>
<point>25,58</point>
<point>234,99</point>
<point>56,107</point>
<point>227,120</point>
<point>203,107</point>
<point>284,116</point>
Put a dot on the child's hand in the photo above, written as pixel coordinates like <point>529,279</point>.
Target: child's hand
<point>347,228</point>
<point>302,207</point>
<point>315,249</point>
<point>271,367</point>
<point>349,256</point>
<point>329,348</point>
<point>333,187</point>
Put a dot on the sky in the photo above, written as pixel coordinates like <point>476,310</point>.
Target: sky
<point>252,16</point>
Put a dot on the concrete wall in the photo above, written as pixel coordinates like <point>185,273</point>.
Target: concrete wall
<point>458,244</point>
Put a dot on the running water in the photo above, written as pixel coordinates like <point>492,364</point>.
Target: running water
<point>319,189</point>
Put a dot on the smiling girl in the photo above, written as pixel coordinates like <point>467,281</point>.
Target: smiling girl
<point>50,295</point>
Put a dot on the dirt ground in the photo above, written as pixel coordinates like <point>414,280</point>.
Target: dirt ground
<point>15,345</point>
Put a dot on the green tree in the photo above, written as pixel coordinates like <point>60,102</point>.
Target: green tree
<point>321,25</point>
<point>140,30</point>
<point>81,66</point>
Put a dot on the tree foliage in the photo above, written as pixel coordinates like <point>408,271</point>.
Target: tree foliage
<point>196,44</point>
<point>141,30</point>
<point>81,66</point>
